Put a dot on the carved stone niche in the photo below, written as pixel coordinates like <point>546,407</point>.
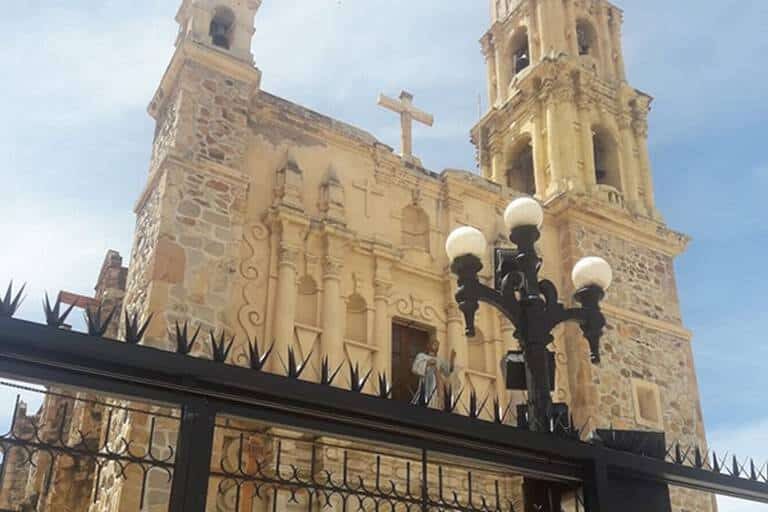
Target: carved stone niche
<point>289,185</point>
<point>332,203</point>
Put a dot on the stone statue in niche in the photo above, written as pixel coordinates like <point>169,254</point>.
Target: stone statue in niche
<point>434,373</point>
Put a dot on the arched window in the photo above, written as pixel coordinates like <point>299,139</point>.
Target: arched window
<point>222,27</point>
<point>476,354</point>
<point>357,319</point>
<point>586,37</point>
<point>520,168</point>
<point>607,162</point>
<point>521,55</point>
<point>415,228</point>
<point>306,305</point>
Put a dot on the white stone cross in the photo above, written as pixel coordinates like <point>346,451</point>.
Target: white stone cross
<point>408,114</point>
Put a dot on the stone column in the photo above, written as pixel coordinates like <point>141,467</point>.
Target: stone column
<point>285,309</point>
<point>570,28</point>
<point>554,146</point>
<point>501,95</point>
<point>587,144</point>
<point>497,162</point>
<point>382,326</point>
<point>616,41</point>
<point>382,323</point>
<point>456,338</point>
<point>606,62</point>
<point>333,312</point>
<point>554,27</point>
<point>641,139</point>
<point>493,78</point>
<point>628,169</point>
<point>539,154</point>
<point>569,141</point>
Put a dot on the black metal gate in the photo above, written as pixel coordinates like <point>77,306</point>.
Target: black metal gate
<point>206,435</point>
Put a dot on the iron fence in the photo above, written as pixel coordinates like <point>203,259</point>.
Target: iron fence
<point>207,461</point>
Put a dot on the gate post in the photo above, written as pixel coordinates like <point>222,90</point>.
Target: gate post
<point>597,497</point>
<point>189,490</point>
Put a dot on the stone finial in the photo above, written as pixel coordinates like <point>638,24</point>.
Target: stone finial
<point>290,184</point>
<point>332,203</point>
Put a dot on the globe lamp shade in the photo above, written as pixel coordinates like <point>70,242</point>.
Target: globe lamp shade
<point>592,271</point>
<point>465,240</point>
<point>523,212</point>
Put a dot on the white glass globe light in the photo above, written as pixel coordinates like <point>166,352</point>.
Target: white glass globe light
<point>523,212</point>
<point>465,240</point>
<point>592,271</point>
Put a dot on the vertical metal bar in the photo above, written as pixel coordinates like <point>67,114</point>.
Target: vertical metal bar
<point>424,482</point>
<point>189,489</point>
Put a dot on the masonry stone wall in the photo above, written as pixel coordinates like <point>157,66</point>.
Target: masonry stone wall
<point>644,278</point>
<point>202,248</point>
<point>644,345</point>
<point>218,110</point>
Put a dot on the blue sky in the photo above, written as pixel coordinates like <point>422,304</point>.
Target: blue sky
<point>75,138</point>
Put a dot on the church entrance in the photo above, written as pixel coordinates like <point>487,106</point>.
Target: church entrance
<point>407,343</point>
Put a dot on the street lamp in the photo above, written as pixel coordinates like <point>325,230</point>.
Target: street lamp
<point>531,304</point>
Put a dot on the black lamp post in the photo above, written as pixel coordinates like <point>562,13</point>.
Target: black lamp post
<point>531,304</point>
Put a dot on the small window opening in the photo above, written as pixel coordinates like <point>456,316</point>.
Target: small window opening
<point>520,170</point>
<point>521,55</point>
<point>222,26</point>
<point>586,38</point>
<point>607,164</point>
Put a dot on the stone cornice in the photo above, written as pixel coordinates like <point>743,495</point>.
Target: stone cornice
<point>188,50</point>
<point>459,184</point>
<point>149,187</point>
<point>568,207</point>
<point>286,215</point>
<point>646,321</point>
<point>419,271</point>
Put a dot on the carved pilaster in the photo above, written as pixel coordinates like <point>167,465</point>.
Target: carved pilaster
<point>382,323</point>
<point>332,267</point>
<point>288,256</point>
<point>640,127</point>
<point>285,308</point>
<point>332,341</point>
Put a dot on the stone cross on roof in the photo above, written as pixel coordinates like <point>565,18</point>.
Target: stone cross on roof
<point>408,114</point>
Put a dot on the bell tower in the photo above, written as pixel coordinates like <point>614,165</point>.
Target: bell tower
<point>562,116</point>
<point>224,25</point>
<point>564,126</point>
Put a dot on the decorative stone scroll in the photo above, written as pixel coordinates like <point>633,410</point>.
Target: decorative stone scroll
<point>253,273</point>
<point>414,307</point>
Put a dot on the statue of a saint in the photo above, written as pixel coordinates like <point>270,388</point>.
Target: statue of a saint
<point>434,373</point>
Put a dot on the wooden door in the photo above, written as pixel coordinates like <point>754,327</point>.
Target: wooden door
<point>407,343</point>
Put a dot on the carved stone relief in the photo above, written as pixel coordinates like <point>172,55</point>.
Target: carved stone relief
<point>253,274</point>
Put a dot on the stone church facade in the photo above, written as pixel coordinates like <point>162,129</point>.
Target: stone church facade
<point>270,221</point>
